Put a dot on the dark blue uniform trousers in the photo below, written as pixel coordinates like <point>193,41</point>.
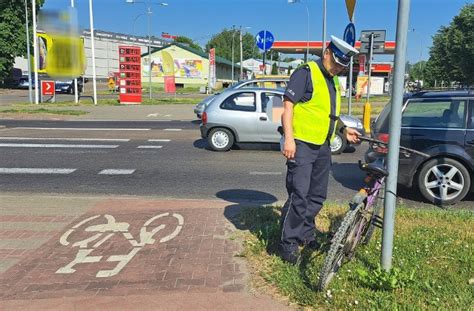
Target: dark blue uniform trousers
<point>306,183</point>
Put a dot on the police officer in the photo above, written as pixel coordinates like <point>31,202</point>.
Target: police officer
<point>311,109</point>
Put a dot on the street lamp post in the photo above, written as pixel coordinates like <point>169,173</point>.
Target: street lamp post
<point>307,13</point>
<point>324,27</point>
<point>148,13</point>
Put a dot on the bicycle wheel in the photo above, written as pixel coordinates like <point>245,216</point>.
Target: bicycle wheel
<point>341,245</point>
<point>377,208</point>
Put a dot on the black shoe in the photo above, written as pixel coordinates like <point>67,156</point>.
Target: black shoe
<point>290,257</point>
<point>312,246</point>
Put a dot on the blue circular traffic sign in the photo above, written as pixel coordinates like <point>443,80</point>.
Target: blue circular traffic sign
<point>350,34</point>
<point>264,40</point>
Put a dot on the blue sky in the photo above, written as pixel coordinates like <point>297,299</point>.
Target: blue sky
<point>200,19</point>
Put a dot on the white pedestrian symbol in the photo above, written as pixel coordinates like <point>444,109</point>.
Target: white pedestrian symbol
<point>103,232</point>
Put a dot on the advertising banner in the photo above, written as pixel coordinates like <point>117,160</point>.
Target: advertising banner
<point>212,68</point>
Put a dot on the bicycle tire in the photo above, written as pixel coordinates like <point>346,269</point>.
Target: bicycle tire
<point>336,253</point>
<point>377,208</point>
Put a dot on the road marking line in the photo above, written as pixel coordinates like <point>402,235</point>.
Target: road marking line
<point>149,147</point>
<point>116,172</point>
<point>265,173</point>
<point>173,130</point>
<point>18,170</point>
<point>58,146</point>
<point>159,140</point>
<point>79,129</point>
<point>66,139</point>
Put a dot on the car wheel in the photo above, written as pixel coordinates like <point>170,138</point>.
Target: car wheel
<point>220,139</point>
<point>444,181</point>
<point>338,144</point>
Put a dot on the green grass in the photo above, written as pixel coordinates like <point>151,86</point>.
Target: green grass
<point>114,102</point>
<point>357,108</point>
<point>47,111</point>
<point>432,259</point>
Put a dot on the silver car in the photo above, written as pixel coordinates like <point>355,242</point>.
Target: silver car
<point>252,115</point>
<point>274,83</point>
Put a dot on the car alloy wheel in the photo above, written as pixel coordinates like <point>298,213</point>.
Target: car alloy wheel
<point>444,181</point>
<point>220,139</point>
<point>338,144</point>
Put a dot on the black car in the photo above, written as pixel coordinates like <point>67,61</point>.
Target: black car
<point>441,124</point>
<point>67,86</point>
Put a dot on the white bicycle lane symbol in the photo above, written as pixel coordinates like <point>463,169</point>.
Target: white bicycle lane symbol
<point>103,232</point>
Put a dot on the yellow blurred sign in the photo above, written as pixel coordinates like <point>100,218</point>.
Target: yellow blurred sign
<point>350,4</point>
<point>111,83</point>
<point>61,56</point>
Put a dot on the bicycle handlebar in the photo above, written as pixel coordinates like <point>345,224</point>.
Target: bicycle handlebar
<point>379,142</point>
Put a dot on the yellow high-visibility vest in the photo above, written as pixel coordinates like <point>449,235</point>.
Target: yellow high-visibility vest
<point>311,119</point>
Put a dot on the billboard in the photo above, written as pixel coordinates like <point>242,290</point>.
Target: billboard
<point>60,55</point>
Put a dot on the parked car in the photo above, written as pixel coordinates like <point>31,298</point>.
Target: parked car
<point>61,86</point>
<point>252,115</point>
<point>67,86</point>
<point>441,124</point>
<point>274,83</point>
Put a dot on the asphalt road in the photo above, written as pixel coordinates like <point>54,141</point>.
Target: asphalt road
<point>160,159</point>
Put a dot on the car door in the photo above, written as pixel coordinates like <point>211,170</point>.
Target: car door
<point>469,141</point>
<point>269,116</point>
<point>432,122</point>
<point>239,112</point>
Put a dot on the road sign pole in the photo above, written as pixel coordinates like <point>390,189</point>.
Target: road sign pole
<point>76,98</point>
<point>264,51</point>
<point>349,99</point>
<point>394,133</point>
<point>367,106</point>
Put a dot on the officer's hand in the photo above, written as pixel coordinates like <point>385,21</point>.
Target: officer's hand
<point>289,149</point>
<point>352,135</point>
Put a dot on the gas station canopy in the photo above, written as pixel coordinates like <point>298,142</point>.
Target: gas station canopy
<point>315,47</point>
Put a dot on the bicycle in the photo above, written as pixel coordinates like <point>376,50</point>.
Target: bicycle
<point>363,216</point>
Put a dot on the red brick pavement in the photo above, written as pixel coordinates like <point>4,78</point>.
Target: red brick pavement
<point>200,261</point>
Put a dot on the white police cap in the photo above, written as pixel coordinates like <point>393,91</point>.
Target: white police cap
<point>342,51</point>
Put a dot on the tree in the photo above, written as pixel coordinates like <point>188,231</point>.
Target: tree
<point>452,53</point>
<point>189,42</point>
<point>13,32</point>
<point>222,42</point>
<point>274,69</point>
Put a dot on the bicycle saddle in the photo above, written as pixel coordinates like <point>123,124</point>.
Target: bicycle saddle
<point>376,168</point>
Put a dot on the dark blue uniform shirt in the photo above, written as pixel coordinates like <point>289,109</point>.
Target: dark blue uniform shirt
<point>300,89</point>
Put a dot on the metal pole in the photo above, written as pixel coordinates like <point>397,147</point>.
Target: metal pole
<point>307,41</point>
<point>35,51</point>
<point>30,87</point>
<point>94,82</point>
<point>241,56</point>
<point>370,65</point>
<point>76,97</point>
<point>149,50</point>
<point>349,100</point>
<point>324,27</point>
<point>394,133</point>
<point>233,54</point>
<point>264,52</point>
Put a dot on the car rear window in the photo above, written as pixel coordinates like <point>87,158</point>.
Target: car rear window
<point>431,113</point>
<point>244,101</point>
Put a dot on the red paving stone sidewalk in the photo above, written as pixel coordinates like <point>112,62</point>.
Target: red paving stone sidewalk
<point>130,254</point>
